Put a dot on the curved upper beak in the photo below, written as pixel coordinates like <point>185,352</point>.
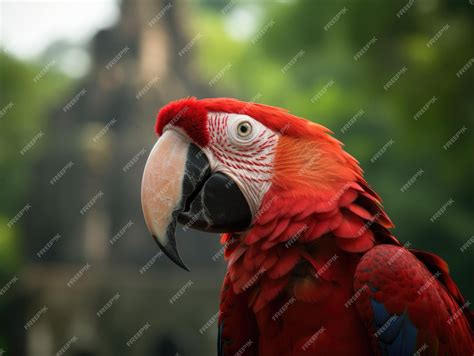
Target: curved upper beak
<point>178,185</point>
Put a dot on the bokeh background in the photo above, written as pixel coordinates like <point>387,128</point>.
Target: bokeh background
<point>81,83</point>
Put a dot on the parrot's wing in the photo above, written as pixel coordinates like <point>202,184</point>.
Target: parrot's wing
<point>237,328</point>
<point>408,309</point>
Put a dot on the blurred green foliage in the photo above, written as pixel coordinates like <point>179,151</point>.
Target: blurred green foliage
<point>25,104</point>
<point>282,30</point>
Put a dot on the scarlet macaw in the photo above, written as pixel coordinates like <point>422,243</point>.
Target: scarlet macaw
<point>312,266</point>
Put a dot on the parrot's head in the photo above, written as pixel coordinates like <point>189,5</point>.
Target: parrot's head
<point>217,160</point>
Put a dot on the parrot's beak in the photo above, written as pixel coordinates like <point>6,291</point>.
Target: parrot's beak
<point>178,185</point>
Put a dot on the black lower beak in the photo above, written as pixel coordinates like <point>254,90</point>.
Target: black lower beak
<point>212,202</point>
<point>219,206</point>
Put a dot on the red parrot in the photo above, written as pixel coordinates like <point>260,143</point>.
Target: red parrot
<point>313,268</point>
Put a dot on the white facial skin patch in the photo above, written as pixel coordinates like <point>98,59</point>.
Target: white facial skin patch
<point>244,149</point>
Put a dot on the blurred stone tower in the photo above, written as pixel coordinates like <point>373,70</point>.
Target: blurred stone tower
<point>104,138</point>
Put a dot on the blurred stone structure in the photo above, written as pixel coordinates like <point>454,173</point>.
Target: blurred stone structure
<point>103,278</point>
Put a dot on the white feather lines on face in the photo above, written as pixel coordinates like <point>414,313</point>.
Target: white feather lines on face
<point>244,149</point>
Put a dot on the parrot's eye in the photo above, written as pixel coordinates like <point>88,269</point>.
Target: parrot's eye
<point>244,129</point>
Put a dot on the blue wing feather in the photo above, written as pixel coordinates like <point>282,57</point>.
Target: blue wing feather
<point>396,334</point>
<point>220,351</point>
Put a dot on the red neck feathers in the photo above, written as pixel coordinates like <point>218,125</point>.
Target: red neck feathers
<point>318,209</point>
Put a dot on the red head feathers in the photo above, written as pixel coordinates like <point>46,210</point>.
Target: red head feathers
<point>190,114</point>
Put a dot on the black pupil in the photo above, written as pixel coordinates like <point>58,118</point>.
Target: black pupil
<point>243,128</point>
